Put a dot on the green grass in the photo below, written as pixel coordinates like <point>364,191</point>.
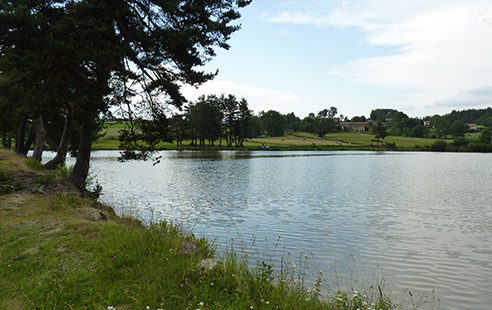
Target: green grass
<point>291,141</point>
<point>4,176</point>
<point>56,252</point>
<point>34,164</point>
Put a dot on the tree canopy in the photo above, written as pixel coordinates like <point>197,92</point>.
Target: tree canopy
<point>86,56</point>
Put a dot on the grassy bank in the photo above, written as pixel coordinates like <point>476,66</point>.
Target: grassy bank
<point>297,141</point>
<point>59,250</point>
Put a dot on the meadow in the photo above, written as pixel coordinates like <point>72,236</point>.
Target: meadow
<point>296,141</point>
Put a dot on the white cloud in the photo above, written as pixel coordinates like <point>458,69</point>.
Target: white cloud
<point>479,97</point>
<point>258,98</point>
<point>442,47</point>
<point>484,91</point>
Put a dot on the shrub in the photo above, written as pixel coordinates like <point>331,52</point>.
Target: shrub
<point>390,145</point>
<point>35,164</point>
<point>478,147</point>
<point>63,171</point>
<point>459,141</point>
<point>439,146</point>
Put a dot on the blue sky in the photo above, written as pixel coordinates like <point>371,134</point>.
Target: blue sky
<point>301,56</point>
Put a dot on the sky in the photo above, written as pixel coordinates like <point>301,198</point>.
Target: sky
<point>417,56</point>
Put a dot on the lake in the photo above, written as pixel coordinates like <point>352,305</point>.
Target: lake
<point>420,221</point>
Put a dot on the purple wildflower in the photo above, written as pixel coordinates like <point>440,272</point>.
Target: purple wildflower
<point>189,248</point>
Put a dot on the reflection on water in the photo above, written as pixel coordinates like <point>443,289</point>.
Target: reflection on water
<point>423,219</point>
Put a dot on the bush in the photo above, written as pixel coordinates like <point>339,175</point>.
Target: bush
<point>460,141</point>
<point>390,145</point>
<point>63,171</point>
<point>439,146</point>
<point>35,164</point>
<point>478,147</point>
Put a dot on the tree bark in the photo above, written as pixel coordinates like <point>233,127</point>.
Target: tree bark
<point>81,168</point>
<point>4,139</point>
<point>8,143</point>
<point>20,137</point>
<point>40,138</point>
<point>62,149</point>
<point>29,140</point>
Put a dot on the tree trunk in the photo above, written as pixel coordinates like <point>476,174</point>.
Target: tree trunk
<point>4,139</point>
<point>29,140</point>
<point>20,137</point>
<point>81,168</point>
<point>9,141</point>
<point>61,150</point>
<point>40,138</point>
<point>178,138</point>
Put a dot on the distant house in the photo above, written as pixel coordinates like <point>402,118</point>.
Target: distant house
<point>472,126</point>
<point>355,126</point>
<point>427,123</point>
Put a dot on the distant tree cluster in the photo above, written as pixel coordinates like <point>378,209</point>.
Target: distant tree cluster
<point>274,124</point>
<point>454,124</point>
<point>211,118</point>
<point>461,144</point>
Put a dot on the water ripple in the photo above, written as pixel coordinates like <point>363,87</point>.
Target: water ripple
<point>423,219</point>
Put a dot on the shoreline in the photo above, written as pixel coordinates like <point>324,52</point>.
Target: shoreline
<point>60,249</point>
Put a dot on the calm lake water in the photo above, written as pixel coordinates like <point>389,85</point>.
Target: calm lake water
<point>421,221</point>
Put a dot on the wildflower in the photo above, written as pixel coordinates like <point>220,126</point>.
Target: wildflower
<point>111,308</point>
<point>201,304</point>
<point>189,248</point>
<point>148,307</point>
<point>251,307</point>
<point>267,302</point>
<point>211,283</point>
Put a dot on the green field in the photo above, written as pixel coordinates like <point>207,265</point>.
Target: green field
<point>294,141</point>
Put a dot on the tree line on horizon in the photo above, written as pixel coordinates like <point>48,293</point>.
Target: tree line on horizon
<point>225,120</point>
<point>274,124</point>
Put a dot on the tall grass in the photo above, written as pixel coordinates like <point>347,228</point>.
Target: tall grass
<point>84,264</point>
<point>34,164</point>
